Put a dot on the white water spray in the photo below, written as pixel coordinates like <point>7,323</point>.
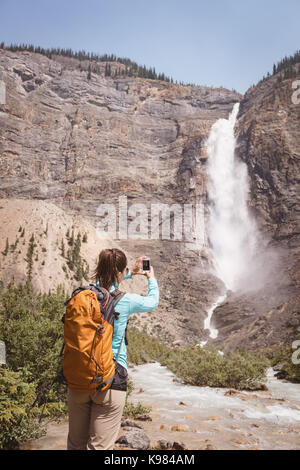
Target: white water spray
<point>213,333</point>
<point>231,230</point>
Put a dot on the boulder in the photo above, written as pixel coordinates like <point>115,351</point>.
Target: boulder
<point>135,439</point>
<point>179,428</point>
<point>163,444</point>
<point>132,424</point>
<point>143,417</point>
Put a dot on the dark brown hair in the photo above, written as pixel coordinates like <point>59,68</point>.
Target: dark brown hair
<point>111,261</point>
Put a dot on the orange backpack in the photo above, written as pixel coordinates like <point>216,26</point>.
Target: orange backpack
<point>88,363</point>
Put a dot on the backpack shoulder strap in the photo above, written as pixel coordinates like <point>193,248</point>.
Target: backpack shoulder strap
<point>116,295</point>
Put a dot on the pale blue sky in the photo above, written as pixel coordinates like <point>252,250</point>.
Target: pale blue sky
<point>232,43</point>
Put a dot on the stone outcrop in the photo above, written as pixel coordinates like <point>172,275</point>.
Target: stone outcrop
<point>134,439</point>
<point>80,142</point>
<point>76,143</point>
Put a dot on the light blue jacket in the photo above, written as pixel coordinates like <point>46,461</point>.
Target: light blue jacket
<point>127,305</point>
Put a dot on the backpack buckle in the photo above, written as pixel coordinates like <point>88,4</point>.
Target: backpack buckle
<point>97,379</point>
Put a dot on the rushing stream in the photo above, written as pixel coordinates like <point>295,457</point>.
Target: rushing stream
<point>161,386</point>
<point>267,420</point>
<point>219,417</point>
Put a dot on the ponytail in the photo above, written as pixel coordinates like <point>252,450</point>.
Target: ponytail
<point>111,261</point>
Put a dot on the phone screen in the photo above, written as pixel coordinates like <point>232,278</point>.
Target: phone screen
<point>146,264</point>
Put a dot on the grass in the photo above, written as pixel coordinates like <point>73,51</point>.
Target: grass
<point>131,410</point>
<point>241,370</point>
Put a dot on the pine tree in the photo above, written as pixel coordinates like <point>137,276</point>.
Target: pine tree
<point>107,70</point>
<point>6,248</point>
<point>131,68</point>
<point>62,247</point>
<point>29,257</point>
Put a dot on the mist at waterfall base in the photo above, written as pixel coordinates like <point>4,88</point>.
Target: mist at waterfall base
<point>238,250</point>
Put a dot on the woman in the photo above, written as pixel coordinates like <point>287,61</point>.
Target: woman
<point>94,420</point>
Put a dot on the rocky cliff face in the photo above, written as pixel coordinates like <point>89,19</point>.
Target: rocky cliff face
<point>76,143</point>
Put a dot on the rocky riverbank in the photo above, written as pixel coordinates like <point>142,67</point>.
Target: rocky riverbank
<point>187,417</point>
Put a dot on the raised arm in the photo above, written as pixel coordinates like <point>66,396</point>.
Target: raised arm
<point>128,275</point>
<point>143,303</point>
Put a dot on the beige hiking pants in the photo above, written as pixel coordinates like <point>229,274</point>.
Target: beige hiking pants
<point>94,420</point>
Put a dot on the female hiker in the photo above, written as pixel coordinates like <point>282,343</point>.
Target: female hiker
<point>94,420</point>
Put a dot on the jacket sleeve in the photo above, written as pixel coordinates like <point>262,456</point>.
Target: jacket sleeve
<point>128,276</point>
<point>141,303</point>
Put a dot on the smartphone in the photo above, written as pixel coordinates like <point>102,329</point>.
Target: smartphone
<point>146,264</point>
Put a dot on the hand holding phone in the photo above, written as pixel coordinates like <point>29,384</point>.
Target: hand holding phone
<point>146,264</point>
<point>142,266</point>
<point>147,268</point>
<point>137,268</point>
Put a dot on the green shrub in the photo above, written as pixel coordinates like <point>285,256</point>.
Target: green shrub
<point>201,366</point>
<point>143,348</point>
<point>131,410</point>
<point>30,325</point>
<point>282,356</point>
<point>17,417</point>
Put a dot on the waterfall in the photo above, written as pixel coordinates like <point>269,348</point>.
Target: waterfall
<point>213,333</point>
<point>231,229</point>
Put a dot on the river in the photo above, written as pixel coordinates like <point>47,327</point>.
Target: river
<point>214,418</point>
<point>229,419</point>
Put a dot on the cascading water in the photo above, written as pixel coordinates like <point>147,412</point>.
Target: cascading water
<point>213,333</point>
<point>231,230</point>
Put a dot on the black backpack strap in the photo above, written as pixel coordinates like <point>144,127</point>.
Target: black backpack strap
<point>116,296</point>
